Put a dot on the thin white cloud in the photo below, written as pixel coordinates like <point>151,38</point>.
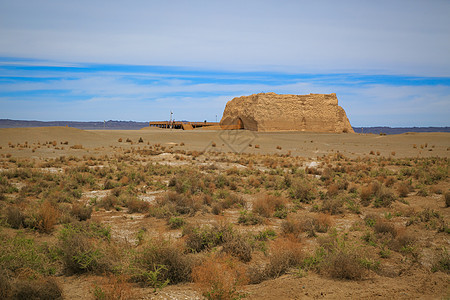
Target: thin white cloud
<point>99,97</point>
<point>396,37</point>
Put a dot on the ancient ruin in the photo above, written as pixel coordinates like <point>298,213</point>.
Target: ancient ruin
<point>273,112</point>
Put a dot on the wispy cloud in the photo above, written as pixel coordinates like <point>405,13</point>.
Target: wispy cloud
<point>382,37</point>
<point>98,92</point>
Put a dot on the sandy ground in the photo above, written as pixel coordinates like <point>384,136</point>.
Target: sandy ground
<point>310,145</point>
<point>50,142</point>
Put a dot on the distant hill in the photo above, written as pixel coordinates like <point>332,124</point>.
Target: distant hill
<point>118,125</point>
<point>399,130</point>
<point>132,125</point>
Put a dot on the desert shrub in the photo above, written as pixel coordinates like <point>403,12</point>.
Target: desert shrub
<point>199,238</point>
<point>302,191</point>
<point>220,277</point>
<point>344,263</point>
<point>339,259</point>
<point>176,222</point>
<point>367,194</point>
<point>217,208</point>
<point>324,222</point>
<point>46,288</point>
<point>113,287</point>
<point>239,246</point>
<point>137,206</point>
<point>320,223</point>
<point>109,202</point>
<point>164,260</point>
<point>81,212</point>
<point>403,242</point>
<point>403,189</point>
<point>423,191</point>
<point>333,189</point>
<point>14,217</point>
<point>5,287</point>
<point>447,199</point>
<point>180,203</point>
<point>281,213</point>
<point>19,252</point>
<point>389,181</point>
<point>334,205</point>
<point>233,200</point>
<point>370,219</point>
<point>249,218</point>
<point>441,261</point>
<point>254,181</point>
<point>47,217</point>
<point>292,227</point>
<point>284,254</point>
<point>85,247</point>
<point>384,227</point>
<point>265,235</point>
<point>266,206</point>
<point>109,184</point>
<point>190,181</point>
<point>384,197</point>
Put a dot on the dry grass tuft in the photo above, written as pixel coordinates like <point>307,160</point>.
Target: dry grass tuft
<point>114,287</point>
<point>345,263</point>
<point>266,205</point>
<point>14,217</point>
<point>447,199</point>
<point>220,277</point>
<point>47,217</point>
<point>46,288</point>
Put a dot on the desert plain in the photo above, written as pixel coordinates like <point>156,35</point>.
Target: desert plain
<point>223,214</point>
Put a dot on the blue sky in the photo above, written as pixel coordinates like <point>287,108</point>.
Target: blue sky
<point>387,61</point>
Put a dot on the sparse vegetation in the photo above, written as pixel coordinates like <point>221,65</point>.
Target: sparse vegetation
<point>150,215</point>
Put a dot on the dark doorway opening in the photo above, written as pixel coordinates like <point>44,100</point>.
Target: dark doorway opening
<point>240,124</point>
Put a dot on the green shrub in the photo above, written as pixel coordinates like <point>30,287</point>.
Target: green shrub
<point>302,191</point>
<point>199,238</point>
<point>84,248</point>
<point>180,203</point>
<point>233,200</point>
<point>265,235</point>
<point>20,252</point>
<point>165,260</point>
<point>441,262</point>
<point>384,197</point>
<point>176,222</point>
<point>341,260</point>
<point>249,218</point>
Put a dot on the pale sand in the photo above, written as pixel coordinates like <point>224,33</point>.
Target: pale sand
<point>100,142</point>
